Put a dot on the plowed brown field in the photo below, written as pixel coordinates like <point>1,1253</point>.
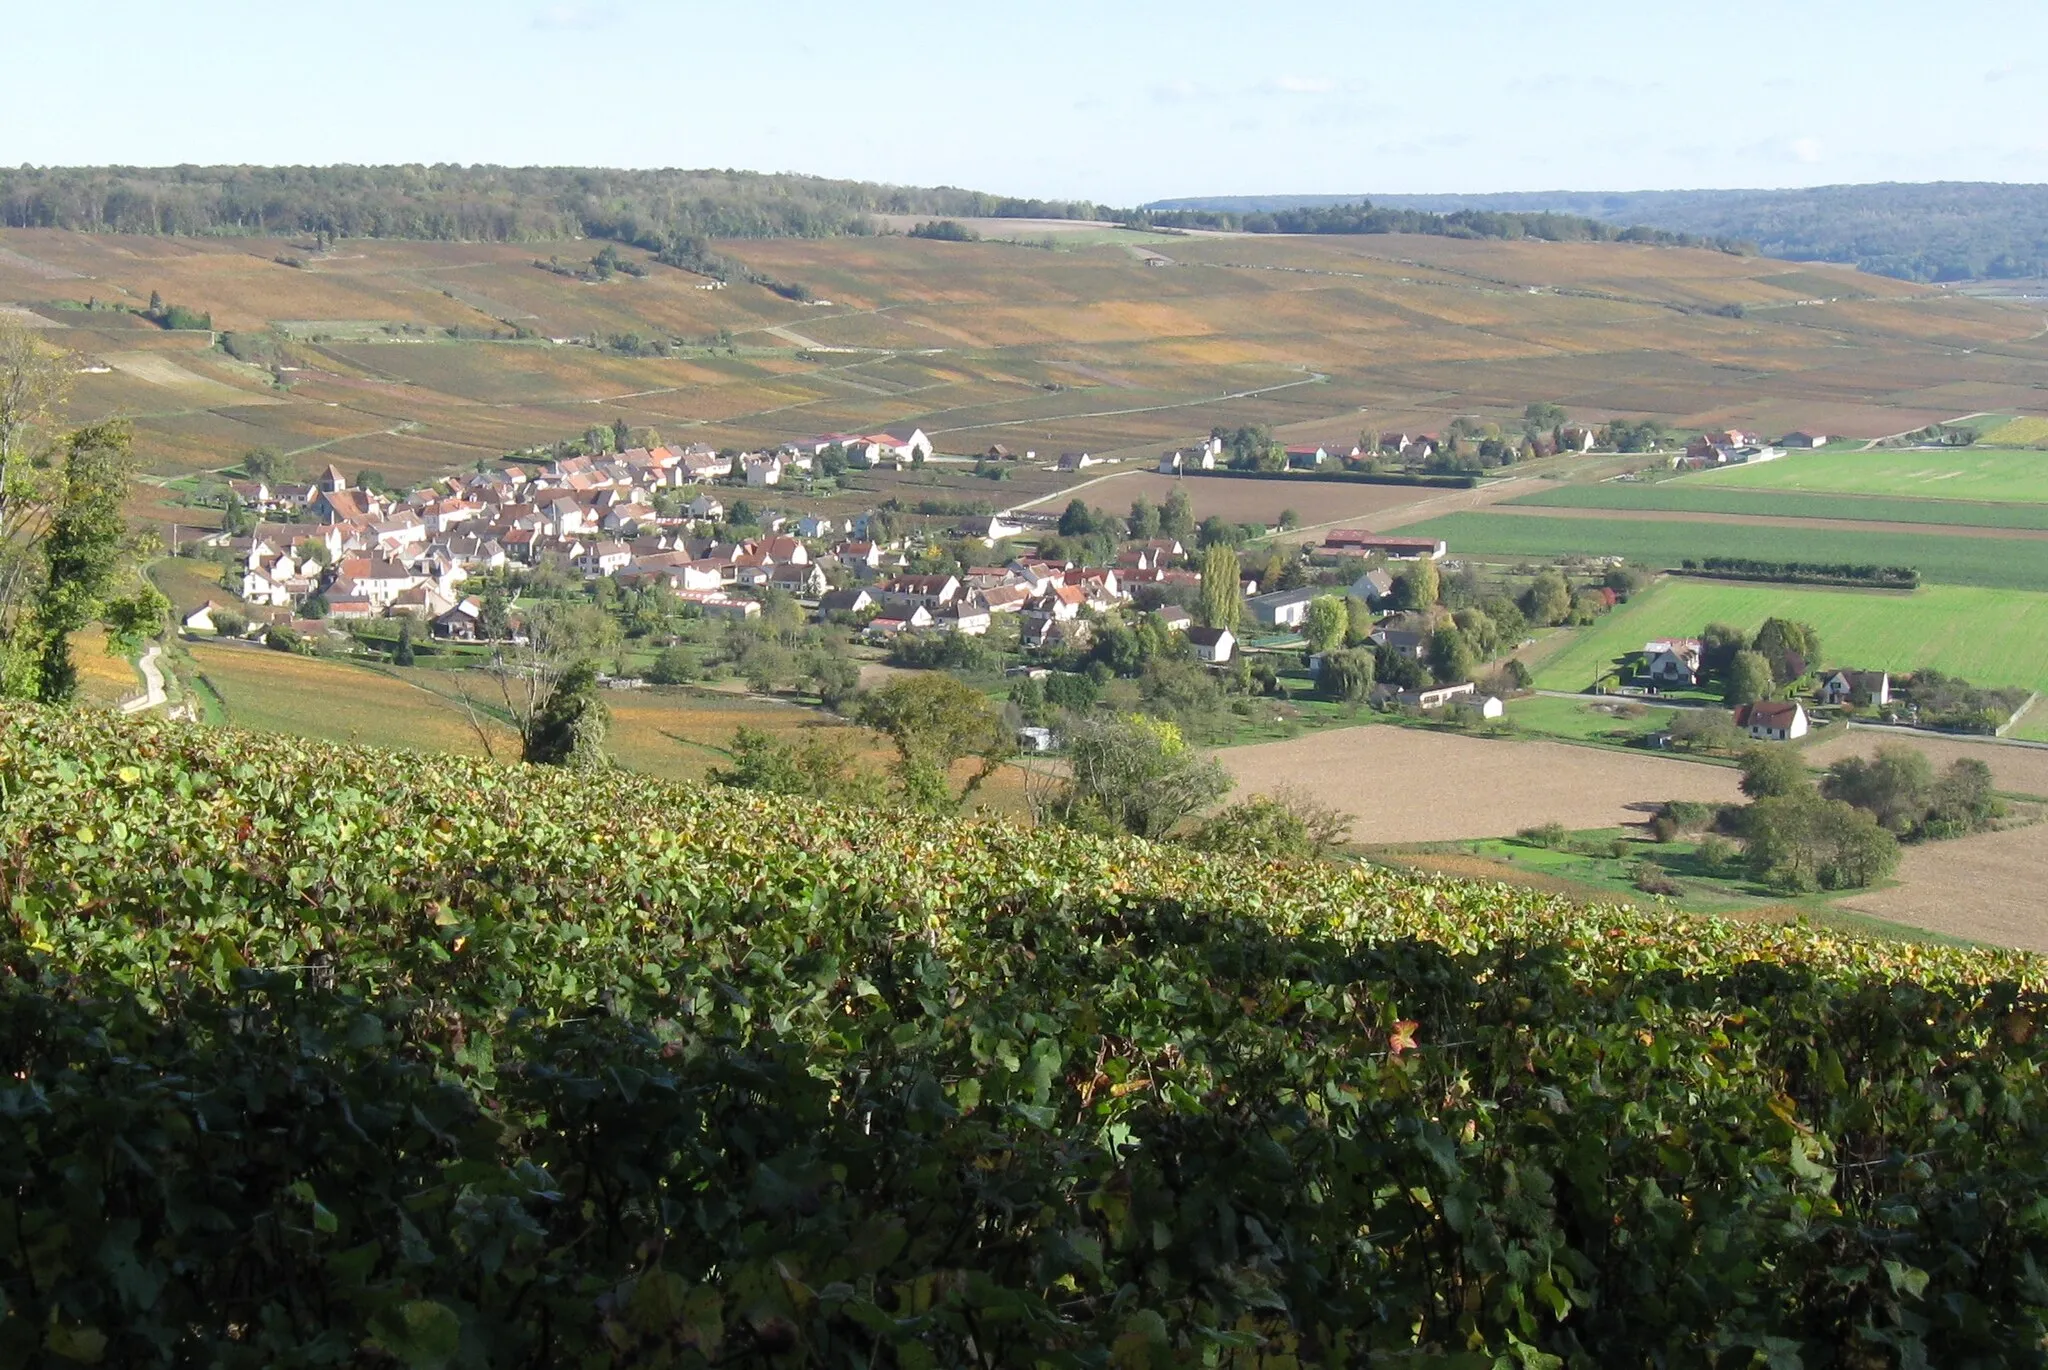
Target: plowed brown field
<point>1407,785</point>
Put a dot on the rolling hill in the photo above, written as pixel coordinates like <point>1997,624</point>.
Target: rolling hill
<point>413,357</point>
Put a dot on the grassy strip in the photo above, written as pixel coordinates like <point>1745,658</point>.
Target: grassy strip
<point>1987,636</point>
<point>1998,563</point>
<point>1690,497</point>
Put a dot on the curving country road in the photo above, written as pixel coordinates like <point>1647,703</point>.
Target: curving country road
<point>152,682</point>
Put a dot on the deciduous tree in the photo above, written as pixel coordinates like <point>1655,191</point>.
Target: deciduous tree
<point>1748,679</point>
<point>1325,623</point>
<point>934,721</point>
<point>1132,774</point>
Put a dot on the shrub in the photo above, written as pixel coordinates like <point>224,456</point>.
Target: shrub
<point>1552,835</point>
<point>1651,879</point>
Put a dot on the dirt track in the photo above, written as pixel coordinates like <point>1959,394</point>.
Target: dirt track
<point>1958,530</point>
<point>1406,785</point>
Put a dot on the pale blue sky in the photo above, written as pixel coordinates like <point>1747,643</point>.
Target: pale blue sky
<point>1112,102</point>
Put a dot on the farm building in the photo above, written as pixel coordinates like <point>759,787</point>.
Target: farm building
<point>1803,442</point>
<point>1358,542</point>
<point>1076,461</point>
<point>1284,608</point>
<point>1434,698</point>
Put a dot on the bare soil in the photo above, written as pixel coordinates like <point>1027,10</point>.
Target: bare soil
<point>1988,888</point>
<point>1407,785</point>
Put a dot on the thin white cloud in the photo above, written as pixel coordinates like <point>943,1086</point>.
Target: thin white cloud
<point>1807,150</point>
<point>1304,85</point>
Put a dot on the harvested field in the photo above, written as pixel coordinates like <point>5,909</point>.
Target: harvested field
<point>1987,888</point>
<point>1407,785</point>
<point>2016,770</point>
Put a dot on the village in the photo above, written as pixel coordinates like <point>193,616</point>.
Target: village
<point>338,552</point>
<point>686,522</point>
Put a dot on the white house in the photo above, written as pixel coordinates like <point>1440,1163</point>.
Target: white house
<point>1491,707</point>
<point>605,559</point>
<point>1772,720</point>
<point>764,471</point>
<point>988,529</point>
<point>1861,687</point>
<point>1212,645</point>
<point>706,507</point>
<point>1374,586</point>
<point>1672,661</point>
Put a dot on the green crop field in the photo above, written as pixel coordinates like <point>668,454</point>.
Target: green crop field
<point>1998,563</point>
<point>1973,473</point>
<point>1990,637</point>
<point>1688,495</point>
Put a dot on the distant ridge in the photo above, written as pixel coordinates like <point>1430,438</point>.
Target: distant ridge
<point>1920,231</point>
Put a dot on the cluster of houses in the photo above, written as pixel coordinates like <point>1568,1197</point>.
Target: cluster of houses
<point>1047,596</point>
<point>1675,663</point>
<point>366,554</point>
<point>1733,447</point>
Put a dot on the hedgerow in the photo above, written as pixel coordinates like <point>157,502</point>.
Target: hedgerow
<point>317,1055</point>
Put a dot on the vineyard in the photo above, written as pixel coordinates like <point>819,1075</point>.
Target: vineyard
<point>329,1056</point>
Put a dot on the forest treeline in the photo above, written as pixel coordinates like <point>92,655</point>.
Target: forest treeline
<point>479,203</point>
<point>1363,216</point>
<point>667,212</point>
<point>1932,231</point>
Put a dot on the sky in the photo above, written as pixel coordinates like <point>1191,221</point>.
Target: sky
<point>1106,101</point>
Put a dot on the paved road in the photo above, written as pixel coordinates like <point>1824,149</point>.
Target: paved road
<point>152,680</point>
